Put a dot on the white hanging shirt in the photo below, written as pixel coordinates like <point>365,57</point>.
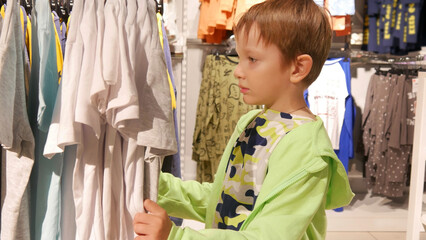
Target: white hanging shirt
<point>327,96</point>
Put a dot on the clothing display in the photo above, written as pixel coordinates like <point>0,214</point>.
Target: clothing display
<point>395,27</point>
<point>330,98</point>
<point>346,144</point>
<point>327,98</point>
<point>388,125</point>
<point>113,133</point>
<point>317,174</point>
<point>220,105</point>
<point>122,115</point>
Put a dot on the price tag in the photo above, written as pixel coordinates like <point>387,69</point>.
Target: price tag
<point>415,85</point>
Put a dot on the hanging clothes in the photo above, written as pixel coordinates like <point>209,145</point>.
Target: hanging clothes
<point>45,75</point>
<point>387,134</point>
<point>115,103</point>
<point>395,27</point>
<point>217,18</point>
<point>346,145</point>
<point>220,105</point>
<point>171,164</point>
<point>16,136</point>
<point>327,98</point>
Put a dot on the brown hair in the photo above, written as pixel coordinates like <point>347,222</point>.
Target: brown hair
<point>294,26</point>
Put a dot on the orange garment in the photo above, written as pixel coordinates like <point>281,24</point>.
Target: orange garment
<point>216,18</point>
<point>226,8</point>
<point>231,17</point>
<point>202,22</point>
<point>213,14</point>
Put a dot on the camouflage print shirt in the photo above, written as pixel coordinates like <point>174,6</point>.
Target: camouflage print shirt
<point>248,166</point>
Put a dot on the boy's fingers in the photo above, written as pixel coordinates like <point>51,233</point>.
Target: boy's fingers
<point>140,229</point>
<point>153,207</point>
<point>141,217</point>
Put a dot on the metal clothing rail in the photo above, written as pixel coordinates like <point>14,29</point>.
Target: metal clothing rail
<point>363,59</point>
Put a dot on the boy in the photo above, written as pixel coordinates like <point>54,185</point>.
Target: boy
<point>278,172</point>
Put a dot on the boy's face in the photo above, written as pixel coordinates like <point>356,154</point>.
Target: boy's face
<point>262,75</point>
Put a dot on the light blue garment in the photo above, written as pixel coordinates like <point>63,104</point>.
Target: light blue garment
<point>48,72</point>
<point>341,7</point>
<point>46,175</point>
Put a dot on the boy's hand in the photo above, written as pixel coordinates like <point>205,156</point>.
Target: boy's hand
<point>154,225</point>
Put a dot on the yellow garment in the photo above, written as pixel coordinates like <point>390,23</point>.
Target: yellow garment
<point>28,40</point>
<point>68,23</point>
<point>59,56</point>
<point>22,19</point>
<point>2,11</point>
<point>220,105</point>
<point>160,32</point>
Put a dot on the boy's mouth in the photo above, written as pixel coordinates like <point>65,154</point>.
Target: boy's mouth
<point>243,89</point>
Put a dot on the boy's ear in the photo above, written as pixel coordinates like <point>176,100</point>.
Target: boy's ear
<point>301,68</point>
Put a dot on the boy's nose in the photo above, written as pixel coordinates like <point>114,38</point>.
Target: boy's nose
<point>238,72</point>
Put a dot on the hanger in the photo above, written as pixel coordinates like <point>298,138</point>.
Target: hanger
<point>159,4</point>
<point>28,5</point>
<point>62,10</point>
<point>379,71</point>
<point>216,53</point>
<point>52,5</point>
<point>68,6</point>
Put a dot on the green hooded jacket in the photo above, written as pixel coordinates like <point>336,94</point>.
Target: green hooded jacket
<point>304,178</point>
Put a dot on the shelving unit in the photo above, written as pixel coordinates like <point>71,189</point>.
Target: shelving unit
<point>414,222</point>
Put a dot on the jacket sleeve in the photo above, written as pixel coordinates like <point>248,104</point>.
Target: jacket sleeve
<point>287,215</point>
<point>183,199</point>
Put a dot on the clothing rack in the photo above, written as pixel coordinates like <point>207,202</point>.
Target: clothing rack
<point>363,59</point>
<point>415,217</point>
<point>416,62</point>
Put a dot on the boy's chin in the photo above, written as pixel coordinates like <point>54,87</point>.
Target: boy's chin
<point>249,101</point>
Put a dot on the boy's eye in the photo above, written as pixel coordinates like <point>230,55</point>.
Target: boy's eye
<point>252,59</point>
